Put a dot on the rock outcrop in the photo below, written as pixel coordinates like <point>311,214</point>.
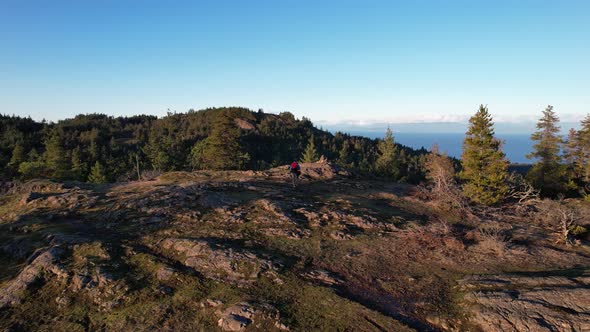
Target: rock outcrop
<point>12,293</point>
<point>530,303</point>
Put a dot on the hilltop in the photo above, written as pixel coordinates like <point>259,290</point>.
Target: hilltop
<point>101,148</point>
<point>242,250</point>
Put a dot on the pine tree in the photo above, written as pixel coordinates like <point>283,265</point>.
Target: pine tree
<point>485,168</point>
<point>344,154</point>
<point>388,162</point>
<point>56,157</point>
<point>18,156</point>
<point>33,155</point>
<point>583,156</point>
<point>196,156</point>
<point>97,174</point>
<point>94,151</point>
<point>572,158</point>
<point>547,173</point>
<point>310,155</point>
<point>79,167</point>
<point>222,150</point>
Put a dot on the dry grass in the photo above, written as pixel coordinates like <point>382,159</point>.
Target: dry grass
<point>492,237</point>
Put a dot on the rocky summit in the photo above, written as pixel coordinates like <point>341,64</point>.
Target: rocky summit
<point>244,251</point>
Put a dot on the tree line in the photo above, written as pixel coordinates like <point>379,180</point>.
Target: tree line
<point>560,166</point>
<point>99,148</point>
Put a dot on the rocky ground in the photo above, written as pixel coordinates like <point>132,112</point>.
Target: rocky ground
<point>243,251</point>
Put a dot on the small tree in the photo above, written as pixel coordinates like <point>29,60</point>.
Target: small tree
<point>485,168</point>
<point>440,174</point>
<point>547,172</point>
<point>79,167</point>
<point>32,169</point>
<point>18,156</point>
<point>388,163</point>
<point>97,174</point>
<point>344,157</point>
<point>310,155</point>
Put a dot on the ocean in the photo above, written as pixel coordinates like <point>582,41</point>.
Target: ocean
<point>516,146</point>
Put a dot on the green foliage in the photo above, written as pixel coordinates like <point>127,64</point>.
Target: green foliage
<point>55,156</point>
<point>180,142</point>
<point>547,173</point>
<point>310,155</point>
<point>97,174</point>
<point>79,167</point>
<point>485,168</point>
<point>18,156</point>
<point>32,169</point>
<point>196,156</point>
<point>578,230</point>
<point>222,149</point>
<point>388,162</point>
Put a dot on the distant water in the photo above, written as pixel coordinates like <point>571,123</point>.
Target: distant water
<point>516,146</point>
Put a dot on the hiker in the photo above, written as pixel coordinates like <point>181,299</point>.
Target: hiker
<point>295,171</point>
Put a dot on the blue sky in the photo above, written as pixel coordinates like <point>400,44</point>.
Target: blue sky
<point>335,62</point>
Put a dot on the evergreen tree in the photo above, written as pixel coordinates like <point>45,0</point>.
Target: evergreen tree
<point>196,156</point>
<point>94,152</point>
<point>222,149</point>
<point>33,155</point>
<point>583,151</point>
<point>547,173</point>
<point>156,152</point>
<point>18,156</point>
<point>572,158</point>
<point>344,156</point>
<point>485,168</point>
<point>56,157</point>
<point>310,155</point>
<point>97,174</point>
<point>388,162</point>
<point>79,167</point>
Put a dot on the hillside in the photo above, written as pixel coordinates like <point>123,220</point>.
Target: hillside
<point>242,250</point>
<point>70,148</point>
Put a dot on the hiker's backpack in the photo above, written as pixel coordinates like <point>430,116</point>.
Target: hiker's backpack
<point>294,166</point>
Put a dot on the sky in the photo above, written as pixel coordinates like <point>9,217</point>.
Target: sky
<point>336,62</point>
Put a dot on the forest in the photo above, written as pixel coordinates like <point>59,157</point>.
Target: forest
<point>99,148</point>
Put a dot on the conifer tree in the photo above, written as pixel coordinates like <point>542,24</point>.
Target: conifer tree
<point>344,154</point>
<point>485,168</point>
<point>18,156</point>
<point>310,155</point>
<point>584,150</point>
<point>547,173</point>
<point>33,155</point>
<point>222,148</point>
<point>97,174</point>
<point>572,159</point>
<point>55,156</point>
<point>388,162</point>
<point>79,167</point>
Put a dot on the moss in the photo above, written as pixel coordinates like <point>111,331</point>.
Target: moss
<point>311,308</point>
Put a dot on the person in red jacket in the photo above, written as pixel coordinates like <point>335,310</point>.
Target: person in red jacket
<point>295,171</point>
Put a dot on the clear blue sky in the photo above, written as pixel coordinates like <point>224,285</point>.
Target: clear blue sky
<point>331,61</point>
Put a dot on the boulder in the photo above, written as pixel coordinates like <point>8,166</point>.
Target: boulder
<point>236,318</point>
